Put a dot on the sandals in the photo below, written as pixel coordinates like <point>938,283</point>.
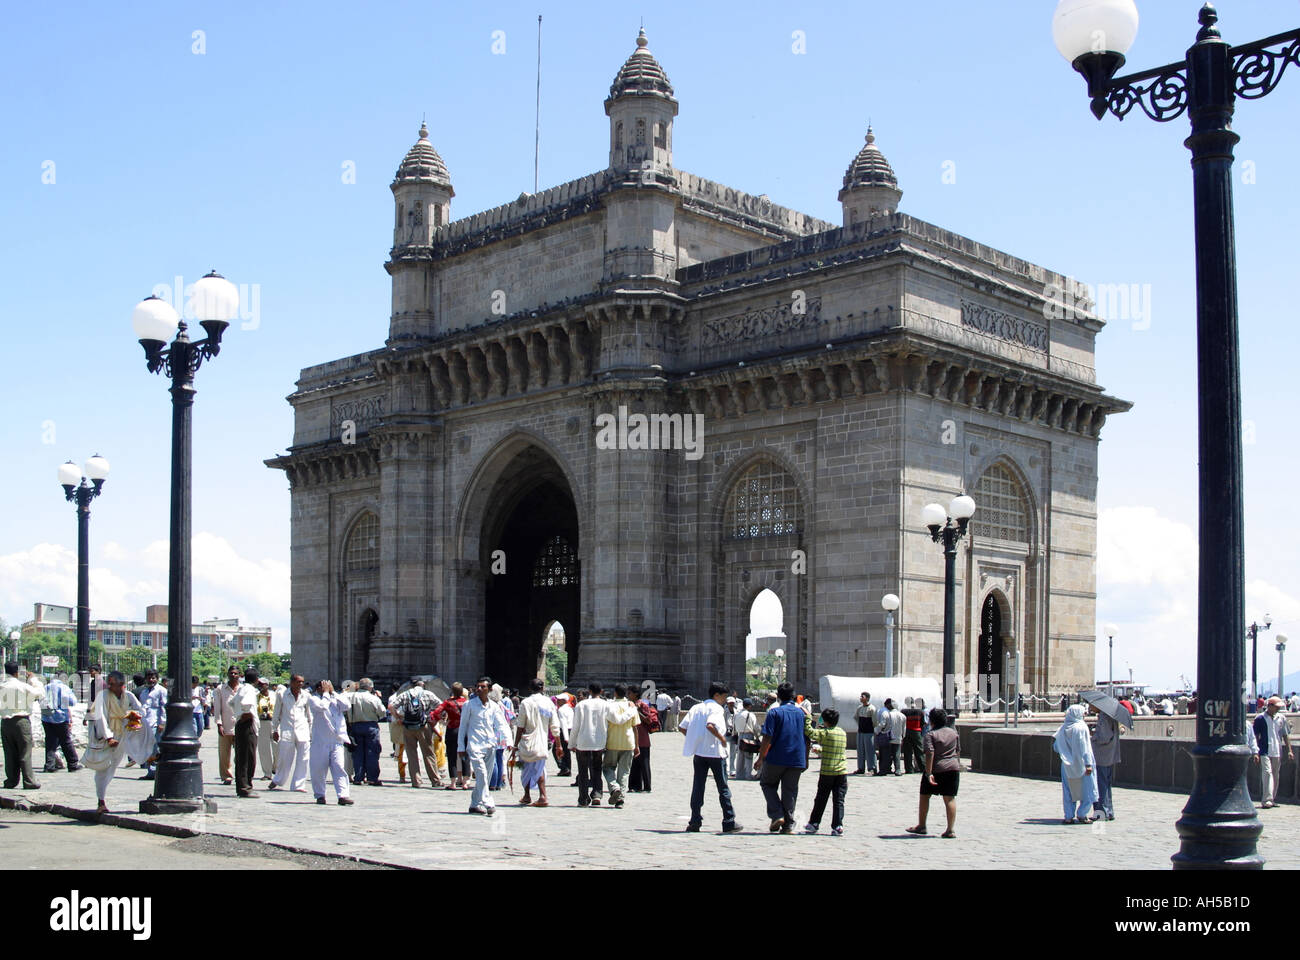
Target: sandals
<point>541,803</point>
<point>919,831</point>
<point>948,835</point>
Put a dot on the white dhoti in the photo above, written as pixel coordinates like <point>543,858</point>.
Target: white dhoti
<point>328,758</point>
<point>293,760</point>
<point>266,748</point>
<point>104,777</point>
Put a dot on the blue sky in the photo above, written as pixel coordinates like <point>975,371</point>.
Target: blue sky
<point>167,161</point>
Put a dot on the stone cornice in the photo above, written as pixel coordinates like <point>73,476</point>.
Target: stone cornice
<point>329,462</point>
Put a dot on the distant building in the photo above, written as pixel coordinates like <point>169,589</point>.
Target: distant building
<point>53,618</point>
<point>766,646</point>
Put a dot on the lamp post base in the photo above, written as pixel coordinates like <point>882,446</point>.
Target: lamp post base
<point>1219,826</point>
<point>166,806</point>
<point>178,784</point>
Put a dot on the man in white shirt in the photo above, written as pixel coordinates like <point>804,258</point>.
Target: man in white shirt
<point>291,729</point>
<point>747,733</point>
<point>482,727</point>
<point>18,699</point>
<point>884,732</point>
<point>243,706</point>
<point>662,703</point>
<point>706,743</point>
<point>153,700</point>
<point>329,732</point>
<point>865,716</point>
<point>564,713</point>
<point>587,739</point>
<point>225,723</point>
<point>535,721</point>
<point>897,730</point>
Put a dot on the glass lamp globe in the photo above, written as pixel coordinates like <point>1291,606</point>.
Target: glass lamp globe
<point>1111,629</point>
<point>889,601</point>
<point>1268,619</point>
<point>214,298</point>
<point>934,515</point>
<point>97,468</point>
<point>154,319</point>
<point>1281,640</point>
<point>1094,26</point>
<point>778,653</point>
<point>15,635</point>
<point>69,474</point>
<point>962,508</point>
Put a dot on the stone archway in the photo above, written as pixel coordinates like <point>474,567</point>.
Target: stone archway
<point>995,614</point>
<point>367,623</point>
<point>526,537</point>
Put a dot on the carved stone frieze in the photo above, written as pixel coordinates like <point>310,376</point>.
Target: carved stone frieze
<point>756,324</point>
<point>1004,325</point>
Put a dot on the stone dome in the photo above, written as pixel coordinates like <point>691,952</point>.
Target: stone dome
<point>869,167</point>
<point>641,75</point>
<point>423,164</point>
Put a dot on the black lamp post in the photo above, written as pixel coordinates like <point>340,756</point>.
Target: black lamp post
<point>1254,630</point>
<point>81,489</point>
<point>1219,827</point>
<point>947,527</point>
<point>178,787</point>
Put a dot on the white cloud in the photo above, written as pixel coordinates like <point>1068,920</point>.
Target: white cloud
<point>1147,586</point>
<point>224,583</point>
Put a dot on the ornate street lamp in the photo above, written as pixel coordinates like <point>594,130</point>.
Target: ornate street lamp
<point>1254,630</point>
<point>947,527</point>
<point>890,603</point>
<point>1111,630</point>
<point>780,663</point>
<point>1281,649</point>
<point>80,489</point>
<point>178,787</point>
<point>15,636</point>
<point>1219,826</point>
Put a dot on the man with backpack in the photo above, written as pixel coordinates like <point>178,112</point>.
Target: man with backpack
<point>411,709</point>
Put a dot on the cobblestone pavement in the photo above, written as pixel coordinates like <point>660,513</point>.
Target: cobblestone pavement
<point>1003,823</point>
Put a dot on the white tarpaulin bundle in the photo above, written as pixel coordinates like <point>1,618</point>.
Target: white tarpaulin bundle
<point>843,694</point>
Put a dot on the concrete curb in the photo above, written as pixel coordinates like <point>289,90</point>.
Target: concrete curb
<point>175,832</point>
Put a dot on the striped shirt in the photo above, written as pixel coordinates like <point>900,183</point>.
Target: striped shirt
<point>831,741</point>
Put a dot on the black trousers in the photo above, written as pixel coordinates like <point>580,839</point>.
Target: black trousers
<point>58,737</point>
<point>639,779</point>
<point>913,756</point>
<point>838,787</point>
<point>16,733</point>
<point>245,754</point>
<point>589,781</point>
<point>565,761</point>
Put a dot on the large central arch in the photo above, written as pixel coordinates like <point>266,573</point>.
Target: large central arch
<point>520,536</point>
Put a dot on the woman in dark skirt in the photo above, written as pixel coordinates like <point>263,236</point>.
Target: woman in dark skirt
<point>942,771</point>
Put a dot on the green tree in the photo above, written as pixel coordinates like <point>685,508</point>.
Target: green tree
<point>557,666</point>
<point>762,673</point>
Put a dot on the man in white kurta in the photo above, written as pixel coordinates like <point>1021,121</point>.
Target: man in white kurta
<point>482,729</point>
<point>329,734</point>
<point>153,700</point>
<point>109,728</point>
<point>536,720</point>
<point>291,730</point>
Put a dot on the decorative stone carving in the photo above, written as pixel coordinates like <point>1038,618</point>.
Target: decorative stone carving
<point>1004,325</point>
<point>761,323</point>
<point>364,412</point>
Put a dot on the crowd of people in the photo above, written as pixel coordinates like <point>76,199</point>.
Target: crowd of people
<point>477,741</point>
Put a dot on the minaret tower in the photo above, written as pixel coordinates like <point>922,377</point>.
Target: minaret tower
<point>422,200</point>
<point>641,110</point>
<point>870,187</point>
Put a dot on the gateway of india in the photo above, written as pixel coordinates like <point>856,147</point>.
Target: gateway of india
<point>451,501</point>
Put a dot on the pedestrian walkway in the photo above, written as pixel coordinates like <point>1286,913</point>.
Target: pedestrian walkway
<point>1003,823</point>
